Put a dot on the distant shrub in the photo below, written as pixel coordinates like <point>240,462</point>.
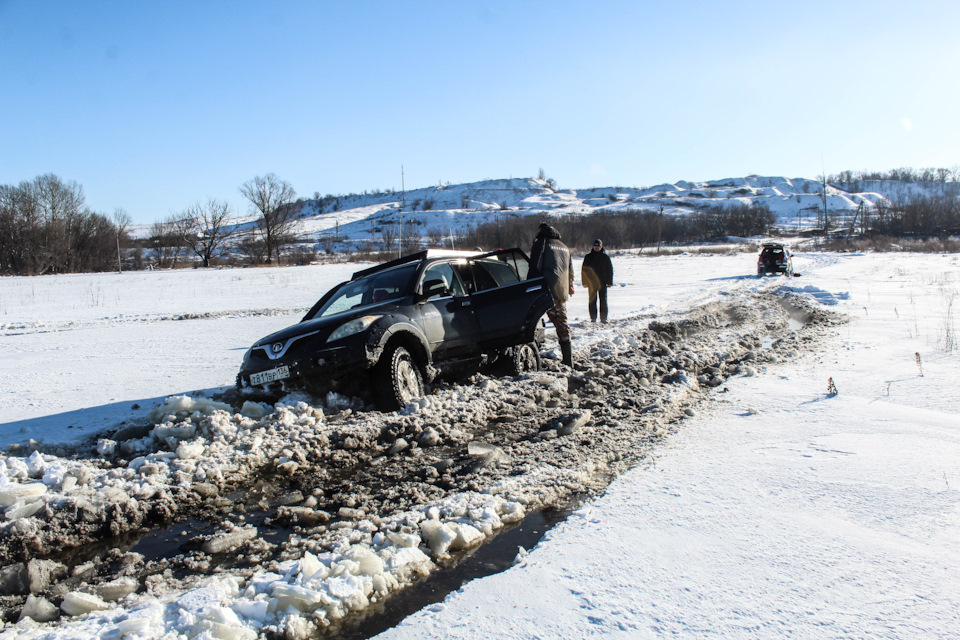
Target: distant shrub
<point>302,255</point>
<point>890,243</point>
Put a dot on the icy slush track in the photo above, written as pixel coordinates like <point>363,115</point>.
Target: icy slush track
<point>376,481</point>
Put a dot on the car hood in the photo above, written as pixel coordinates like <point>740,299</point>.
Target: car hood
<point>324,326</point>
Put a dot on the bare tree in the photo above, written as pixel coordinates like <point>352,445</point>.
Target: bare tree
<point>122,220</point>
<point>46,227</point>
<point>388,234</point>
<point>60,206</point>
<point>411,239</point>
<point>165,242</point>
<point>204,228</point>
<point>549,182</point>
<point>272,198</point>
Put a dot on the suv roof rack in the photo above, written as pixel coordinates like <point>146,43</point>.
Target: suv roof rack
<point>416,257</point>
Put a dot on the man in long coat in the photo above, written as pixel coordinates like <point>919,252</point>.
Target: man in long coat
<point>596,275</point>
<point>552,259</point>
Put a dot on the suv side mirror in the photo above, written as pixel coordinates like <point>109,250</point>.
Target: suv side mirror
<point>434,288</point>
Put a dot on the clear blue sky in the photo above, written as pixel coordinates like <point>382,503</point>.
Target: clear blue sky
<point>153,106</point>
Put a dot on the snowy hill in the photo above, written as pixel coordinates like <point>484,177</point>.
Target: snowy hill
<point>447,209</point>
<point>898,190</point>
<point>346,222</point>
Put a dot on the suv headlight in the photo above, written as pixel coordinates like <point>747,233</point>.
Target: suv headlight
<point>352,327</point>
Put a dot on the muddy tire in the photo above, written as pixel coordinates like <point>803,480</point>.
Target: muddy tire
<point>397,379</point>
<point>524,358</point>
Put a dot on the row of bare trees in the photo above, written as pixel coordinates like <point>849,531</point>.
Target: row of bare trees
<point>46,227</point>
<point>206,230</point>
<point>201,229</point>
<point>628,228</point>
<point>902,174</point>
<point>919,217</point>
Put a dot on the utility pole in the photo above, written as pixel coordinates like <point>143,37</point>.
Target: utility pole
<point>122,220</point>
<point>823,192</point>
<point>659,225</point>
<point>403,190</point>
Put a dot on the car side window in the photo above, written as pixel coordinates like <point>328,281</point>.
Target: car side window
<point>518,262</point>
<point>441,280</point>
<point>493,273</point>
<point>465,270</point>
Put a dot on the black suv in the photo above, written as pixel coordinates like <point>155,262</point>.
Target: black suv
<point>398,324</point>
<point>774,258</point>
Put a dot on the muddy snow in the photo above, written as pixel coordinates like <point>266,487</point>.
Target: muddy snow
<point>242,516</point>
<point>365,503</point>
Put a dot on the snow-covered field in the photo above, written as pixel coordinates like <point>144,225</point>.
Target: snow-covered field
<point>779,509</point>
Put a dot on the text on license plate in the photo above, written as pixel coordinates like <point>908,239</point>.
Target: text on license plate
<point>270,375</point>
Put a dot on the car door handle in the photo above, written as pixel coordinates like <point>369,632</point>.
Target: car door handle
<point>466,303</point>
<point>536,288</point>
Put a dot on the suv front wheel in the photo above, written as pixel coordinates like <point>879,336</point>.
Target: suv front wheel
<point>397,379</point>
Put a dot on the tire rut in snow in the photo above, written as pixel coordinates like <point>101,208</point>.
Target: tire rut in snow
<point>259,487</point>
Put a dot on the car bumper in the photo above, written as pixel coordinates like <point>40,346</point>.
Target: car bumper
<point>321,366</point>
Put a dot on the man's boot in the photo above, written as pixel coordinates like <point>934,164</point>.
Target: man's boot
<point>567,354</point>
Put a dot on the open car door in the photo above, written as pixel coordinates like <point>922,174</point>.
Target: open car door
<point>508,297</point>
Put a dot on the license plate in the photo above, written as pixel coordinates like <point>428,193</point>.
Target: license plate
<point>270,375</point>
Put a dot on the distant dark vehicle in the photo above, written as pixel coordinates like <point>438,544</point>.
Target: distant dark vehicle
<point>396,325</point>
<point>775,258</point>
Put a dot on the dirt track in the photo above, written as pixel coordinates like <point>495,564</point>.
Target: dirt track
<point>317,473</point>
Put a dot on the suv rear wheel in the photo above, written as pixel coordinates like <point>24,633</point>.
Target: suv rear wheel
<point>397,379</point>
<point>524,357</point>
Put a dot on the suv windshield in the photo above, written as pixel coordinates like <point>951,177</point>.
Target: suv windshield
<point>373,289</point>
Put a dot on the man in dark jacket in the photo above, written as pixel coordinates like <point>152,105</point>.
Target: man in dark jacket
<point>552,259</point>
<point>596,275</point>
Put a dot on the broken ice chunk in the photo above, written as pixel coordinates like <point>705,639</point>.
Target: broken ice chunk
<point>190,450</point>
<point>106,447</point>
<point>370,563</point>
<point>24,510</point>
<point>39,610</point>
<point>10,493</point>
<point>467,536</point>
<point>229,540</point>
<point>36,464</point>
<point>117,589</point>
<point>77,603</point>
<point>183,431</point>
<point>438,536</point>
